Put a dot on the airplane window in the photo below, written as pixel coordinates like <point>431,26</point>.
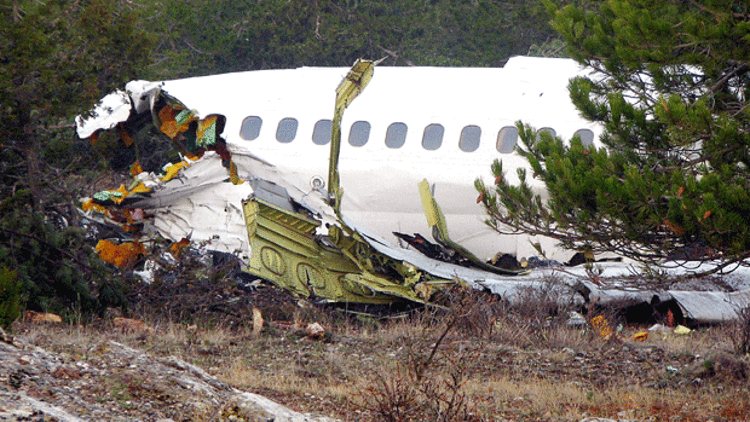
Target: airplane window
<point>395,135</point>
<point>506,139</point>
<point>250,129</point>
<point>587,136</point>
<point>546,129</point>
<point>469,141</point>
<point>359,133</point>
<point>433,136</point>
<point>322,132</point>
<point>287,130</point>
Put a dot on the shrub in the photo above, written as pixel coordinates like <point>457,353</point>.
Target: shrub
<point>428,384</point>
<point>741,332</point>
<point>54,264</point>
<point>10,301</point>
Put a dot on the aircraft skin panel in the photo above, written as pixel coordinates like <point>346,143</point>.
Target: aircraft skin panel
<point>416,94</point>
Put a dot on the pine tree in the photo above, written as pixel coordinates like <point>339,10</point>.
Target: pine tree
<point>57,58</point>
<point>671,92</point>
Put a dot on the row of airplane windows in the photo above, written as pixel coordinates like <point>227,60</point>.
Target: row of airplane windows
<point>395,135</point>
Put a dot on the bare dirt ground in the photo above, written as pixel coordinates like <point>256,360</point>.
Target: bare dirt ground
<point>475,360</point>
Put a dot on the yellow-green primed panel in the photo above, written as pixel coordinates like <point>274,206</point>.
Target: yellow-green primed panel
<point>353,84</point>
<point>284,250</point>
<point>436,220</point>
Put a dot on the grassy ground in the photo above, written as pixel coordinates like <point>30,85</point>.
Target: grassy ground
<point>478,360</point>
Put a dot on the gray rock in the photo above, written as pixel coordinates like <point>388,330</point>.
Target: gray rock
<point>115,382</point>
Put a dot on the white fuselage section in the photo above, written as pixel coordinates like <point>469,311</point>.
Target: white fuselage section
<point>446,125</point>
<point>443,124</point>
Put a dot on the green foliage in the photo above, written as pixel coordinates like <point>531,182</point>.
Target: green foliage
<point>549,48</point>
<point>671,93</point>
<point>204,37</point>
<point>10,301</point>
<point>58,57</point>
<point>55,266</point>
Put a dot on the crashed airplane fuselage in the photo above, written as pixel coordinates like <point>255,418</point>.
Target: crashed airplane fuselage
<point>443,124</point>
<point>258,184</point>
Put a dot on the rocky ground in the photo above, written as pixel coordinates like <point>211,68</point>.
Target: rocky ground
<point>207,362</point>
<point>114,382</point>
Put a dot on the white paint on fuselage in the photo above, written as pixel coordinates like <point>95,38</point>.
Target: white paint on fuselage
<point>380,183</point>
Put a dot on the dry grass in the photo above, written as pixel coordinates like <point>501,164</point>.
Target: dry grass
<point>479,360</point>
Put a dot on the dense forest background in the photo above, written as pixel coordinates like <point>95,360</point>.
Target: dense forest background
<point>199,37</point>
<point>59,57</point>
